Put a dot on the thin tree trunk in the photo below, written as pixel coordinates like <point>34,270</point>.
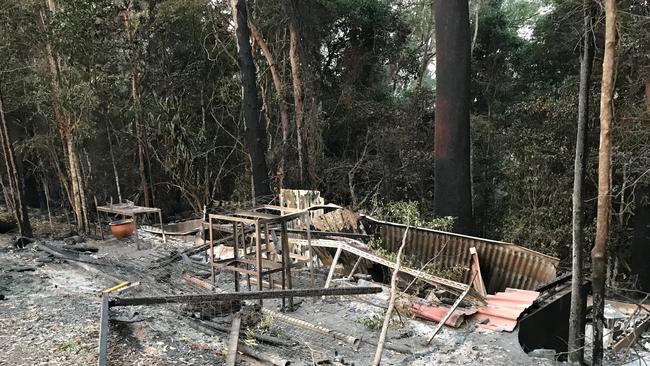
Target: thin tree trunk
<point>391,302</point>
<point>578,296</point>
<point>75,179</point>
<point>647,95</point>
<point>297,101</point>
<point>284,113</point>
<point>16,193</point>
<point>599,251</point>
<point>137,109</point>
<point>478,6</point>
<point>452,183</point>
<point>117,177</point>
<point>63,123</point>
<point>254,133</point>
<point>46,190</point>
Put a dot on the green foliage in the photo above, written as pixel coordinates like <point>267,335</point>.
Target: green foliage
<point>376,321</point>
<point>409,213</point>
<point>70,346</point>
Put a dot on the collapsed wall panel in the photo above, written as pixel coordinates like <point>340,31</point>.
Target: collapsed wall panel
<point>503,265</point>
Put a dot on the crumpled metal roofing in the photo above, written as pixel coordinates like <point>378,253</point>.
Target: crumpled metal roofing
<point>504,308</point>
<point>503,265</point>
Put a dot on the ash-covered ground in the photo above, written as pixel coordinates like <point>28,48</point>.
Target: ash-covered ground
<point>49,315</point>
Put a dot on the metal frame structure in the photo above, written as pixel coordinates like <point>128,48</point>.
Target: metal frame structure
<point>261,254</point>
<point>131,211</point>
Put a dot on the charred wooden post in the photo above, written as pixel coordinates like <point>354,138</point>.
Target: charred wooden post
<point>103,332</point>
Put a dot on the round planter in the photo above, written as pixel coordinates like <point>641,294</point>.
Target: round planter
<point>122,229</point>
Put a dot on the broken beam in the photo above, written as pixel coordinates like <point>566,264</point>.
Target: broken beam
<point>102,360</point>
<point>240,296</point>
<point>233,341</point>
<point>452,286</point>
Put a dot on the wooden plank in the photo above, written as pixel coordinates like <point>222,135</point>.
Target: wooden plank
<point>286,263</point>
<point>255,214</point>
<point>102,360</point>
<point>451,311</point>
<point>233,219</point>
<point>632,336</point>
<point>435,280</point>
<point>233,341</point>
<point>477,283</point>
<point>333,267</point>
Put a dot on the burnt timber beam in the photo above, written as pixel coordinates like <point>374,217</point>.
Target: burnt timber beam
<point>102,360</point>
<point>240,296</point>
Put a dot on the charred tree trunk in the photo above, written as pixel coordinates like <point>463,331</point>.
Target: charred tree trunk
<point>599,251</point>
<point>254,134</point>
<point>298,103</point>
<point>15,192</point>
<point>452,187</point>
<point>284,113</point>
<point>578,296</point>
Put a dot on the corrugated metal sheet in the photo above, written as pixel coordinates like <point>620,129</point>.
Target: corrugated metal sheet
<point>504,308</point>
<point>503,265</point>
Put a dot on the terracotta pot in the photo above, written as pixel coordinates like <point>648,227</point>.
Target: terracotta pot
<point>122,229</point>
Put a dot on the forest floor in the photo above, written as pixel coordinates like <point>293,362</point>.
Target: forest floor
<point>50,316</point>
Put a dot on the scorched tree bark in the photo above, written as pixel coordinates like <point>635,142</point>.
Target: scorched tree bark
<point>13,178</point>
<point>452,187</point>
<point>578,296</point>
<point>254,134</point>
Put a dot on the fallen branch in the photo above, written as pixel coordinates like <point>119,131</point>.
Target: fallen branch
<point>391,302</point>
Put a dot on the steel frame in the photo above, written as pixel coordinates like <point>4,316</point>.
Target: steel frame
<point>268,224</point>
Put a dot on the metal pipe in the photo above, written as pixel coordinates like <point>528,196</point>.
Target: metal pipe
<point>313,327</point>
<point>253,295</point>
<point>260,337</point>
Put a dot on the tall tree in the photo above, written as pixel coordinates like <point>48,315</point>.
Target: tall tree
<point>62,118</point>
<point>13,177</point>
<point>138,127</point>
<point>578,296</point>
<point>452,184</point>
<point>254,134</point>
<point>599,251</point>
<point>297,100</point>
<point>284,113</point>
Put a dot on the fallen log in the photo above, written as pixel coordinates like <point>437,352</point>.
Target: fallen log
<point>241,296</point>
<point>86,265</point>
<point>48,249</point>
<point>80,248</point>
